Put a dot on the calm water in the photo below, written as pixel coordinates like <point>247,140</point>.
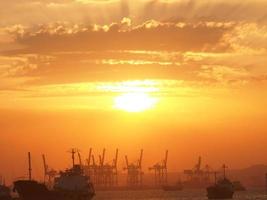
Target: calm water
<point>181,195</point>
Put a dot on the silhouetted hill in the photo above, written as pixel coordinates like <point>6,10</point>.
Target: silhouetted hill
<point>253,176</point>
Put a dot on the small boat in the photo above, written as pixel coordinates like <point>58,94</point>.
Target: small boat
<point>4,193</point>
<point>222,189</point>
<point>177,187</point>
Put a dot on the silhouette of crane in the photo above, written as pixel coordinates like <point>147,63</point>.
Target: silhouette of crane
<point>103,175</point>
<point>134,171</point>
<point>198,165</point>
<point>49,174</point>
<point>160,171</point>
<point>198,176</point>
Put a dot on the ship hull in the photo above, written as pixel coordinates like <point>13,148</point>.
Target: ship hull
<point>31,190</point>
<point>54,196</point>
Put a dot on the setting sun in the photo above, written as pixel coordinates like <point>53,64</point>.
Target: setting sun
<point>134,102</point>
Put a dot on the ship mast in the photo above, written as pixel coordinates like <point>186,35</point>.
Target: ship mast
<point>73,157</point>
<point>30,166</point>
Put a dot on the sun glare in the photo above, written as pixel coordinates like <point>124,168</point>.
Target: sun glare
<point>134,102</point>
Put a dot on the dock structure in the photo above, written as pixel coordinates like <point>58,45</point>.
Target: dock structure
<point>103,175</point>
<point>160,171</point>
<point>134,172</point>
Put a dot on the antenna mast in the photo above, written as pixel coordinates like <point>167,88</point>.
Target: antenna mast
<point>73,156</point>
<point>30,166</point>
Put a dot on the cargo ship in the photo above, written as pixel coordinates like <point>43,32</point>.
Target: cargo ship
<point>71,184</point>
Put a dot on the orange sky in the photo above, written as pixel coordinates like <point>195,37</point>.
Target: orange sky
<point>188,76</point>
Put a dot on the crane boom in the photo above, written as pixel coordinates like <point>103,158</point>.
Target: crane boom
<point>140,159</point>
<point>89,157</point>
<point>116,158</point>
<point>127,162</point>
<point>103,157</point>
<point>166,158</point>
<point>80,158</point>
<point>93,159</point>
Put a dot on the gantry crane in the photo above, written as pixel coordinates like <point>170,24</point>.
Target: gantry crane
<point>160,171</point>
<point>49,173</point>
<point>103,174</point>
<point>198,176</point>
<point>134,171</point>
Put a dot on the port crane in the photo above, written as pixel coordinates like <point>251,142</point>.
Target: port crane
<point>134,171</point>
<point>160,171</point>
<point>49,173</point>
<point>198,176</point>
<point>103,175</point>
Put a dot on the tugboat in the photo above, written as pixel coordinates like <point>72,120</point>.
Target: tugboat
<point>223,189</point>
<point>71,184</point>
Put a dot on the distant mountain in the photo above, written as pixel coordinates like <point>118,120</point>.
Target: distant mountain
<point>253,176</point>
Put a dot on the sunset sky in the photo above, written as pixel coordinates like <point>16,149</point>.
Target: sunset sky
<point>185,75</point>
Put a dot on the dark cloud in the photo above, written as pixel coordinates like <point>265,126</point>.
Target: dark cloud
<point>151,35</point>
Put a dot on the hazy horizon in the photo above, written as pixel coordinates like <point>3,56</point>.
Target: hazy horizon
<point>184,75</point>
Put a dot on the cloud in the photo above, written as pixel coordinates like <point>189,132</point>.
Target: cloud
<point>151,35</point>
<point>204,52</point>
<point>248,37</point>
<point>64,52</point>
<point>224,74</point>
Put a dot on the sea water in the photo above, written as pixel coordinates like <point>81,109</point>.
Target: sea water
<point>177,195</point>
